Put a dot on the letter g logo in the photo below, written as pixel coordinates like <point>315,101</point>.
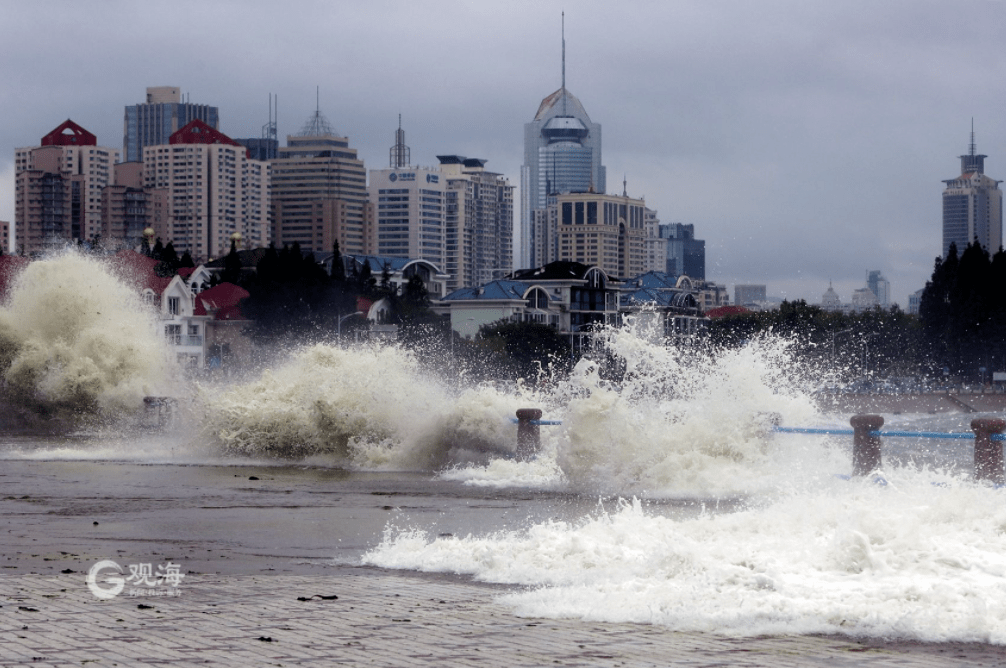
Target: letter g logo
<point>118,584</point>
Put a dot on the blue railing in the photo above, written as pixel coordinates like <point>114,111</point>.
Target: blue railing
<point>893,433</point>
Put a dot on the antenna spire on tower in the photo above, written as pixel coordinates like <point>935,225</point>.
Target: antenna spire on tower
<point>972,147</point>
<point>564,63</point>
<point>400,156</point>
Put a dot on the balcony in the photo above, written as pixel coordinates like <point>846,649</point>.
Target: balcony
<point>179,340</point>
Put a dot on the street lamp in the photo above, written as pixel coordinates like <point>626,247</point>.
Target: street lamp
<point>833,335</point>
<point>866,342</point>
<point>339,325</point>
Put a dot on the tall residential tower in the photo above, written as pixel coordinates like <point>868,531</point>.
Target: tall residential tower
<point>58,188</point>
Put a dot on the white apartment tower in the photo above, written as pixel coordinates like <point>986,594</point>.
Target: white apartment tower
<point>458,217</point>
<point>215,193</point>
<point>478,222</point>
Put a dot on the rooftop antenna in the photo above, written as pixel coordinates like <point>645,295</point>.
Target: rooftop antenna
<point>971,147</point>
<point>317,125</point>
<point>625,189</point>
<point>400,154</point>
<point>269,129</point>
<point>563,64</point>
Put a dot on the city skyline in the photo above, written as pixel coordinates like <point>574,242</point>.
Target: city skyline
<point>805,143</point>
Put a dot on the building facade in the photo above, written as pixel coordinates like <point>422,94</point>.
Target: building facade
<point>569,296</point>
<point>319,193</point>
<point>153,122</point>
<point>686,255</point>
<point>409,213</point>
<point>214,191</point>
<point>58,188</point>
<point>458,216</point>
<point>880,287</point>
<point>478,222</point>
<point>606,231</point>
<point>972,206</point>
<point>745,295</point>
<point>562,154</point>
<point>128,209</point>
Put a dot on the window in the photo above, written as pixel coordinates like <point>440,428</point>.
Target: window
<point>173,305</point>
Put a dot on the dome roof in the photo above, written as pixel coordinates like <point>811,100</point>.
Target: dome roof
<point>553,106</point>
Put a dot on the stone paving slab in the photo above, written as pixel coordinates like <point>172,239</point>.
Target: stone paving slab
<point>381,619</point>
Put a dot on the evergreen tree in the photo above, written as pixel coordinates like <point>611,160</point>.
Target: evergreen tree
<point>232,266</point>
<point>338,268</point>
<point>186,261</point>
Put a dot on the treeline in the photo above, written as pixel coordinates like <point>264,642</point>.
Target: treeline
<point>884,341</point>
<point>963,312</point>
<point>292,297</point>
<point>960,329</point>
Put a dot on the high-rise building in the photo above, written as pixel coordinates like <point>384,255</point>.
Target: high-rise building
<point>478,222</point>
<point>459,217</point>
<point>128,209</point>
<point>153,122</point>
<point>656,246</point>
<point>562,154</point>
<point>319,192</point>
<point>880,287</point>
<point>58,188</point>
<point>685,254</point>
<point>409,213</point>
<point>972,206</point>
<point>214,191</point>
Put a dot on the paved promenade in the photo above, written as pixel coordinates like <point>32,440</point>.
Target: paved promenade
<point>378,619</point>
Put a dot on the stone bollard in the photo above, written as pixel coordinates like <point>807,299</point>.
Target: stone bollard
<point>988,453</point>
<point>528,433</point>
<point>865,447</point>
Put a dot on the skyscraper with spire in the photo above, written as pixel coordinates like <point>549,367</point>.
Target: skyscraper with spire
<point>562,154</point>
<point>972,205</point>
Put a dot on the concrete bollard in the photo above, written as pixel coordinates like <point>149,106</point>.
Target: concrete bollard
<point>988,453</point>
<point>158,412</point>
<point>865,447</point>
<point>528,433</point>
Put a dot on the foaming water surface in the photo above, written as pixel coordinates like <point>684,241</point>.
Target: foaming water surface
<point>663,498</point>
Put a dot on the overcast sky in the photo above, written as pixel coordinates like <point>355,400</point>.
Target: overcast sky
<point>806,141</point>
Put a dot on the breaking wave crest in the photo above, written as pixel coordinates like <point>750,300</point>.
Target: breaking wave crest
<point>76,340</point>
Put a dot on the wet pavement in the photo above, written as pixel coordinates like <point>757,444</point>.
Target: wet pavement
<point>267,577</point>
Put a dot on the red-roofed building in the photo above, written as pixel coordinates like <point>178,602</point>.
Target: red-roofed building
<point>724,311</point>
<point>58,187</point>
<point>226,343</point>
<point>215,193</point>
<point>171,296</point>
